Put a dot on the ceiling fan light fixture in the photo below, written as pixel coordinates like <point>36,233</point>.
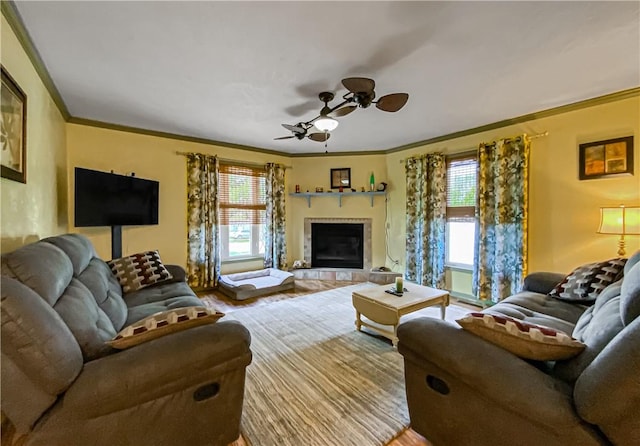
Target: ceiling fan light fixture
<point>325,124</point>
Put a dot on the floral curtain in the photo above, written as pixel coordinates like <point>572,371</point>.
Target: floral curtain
<point>203,243</point>
<point>275,250</point>
<point>501,238</point>
<point>426,219</point>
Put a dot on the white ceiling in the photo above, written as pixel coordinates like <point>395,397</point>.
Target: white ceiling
<point>234,71</point>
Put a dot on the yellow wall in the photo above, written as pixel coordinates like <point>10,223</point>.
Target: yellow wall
<point>154,158</point>
<point>314,172</point>
<point>36,209</point>
<point>564,211</point>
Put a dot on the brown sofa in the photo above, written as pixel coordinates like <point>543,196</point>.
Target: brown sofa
<point>464,390</point>
<point>63,385</point>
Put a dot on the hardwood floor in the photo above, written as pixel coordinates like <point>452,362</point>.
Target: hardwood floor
<point>225,304</point>
<point>407,438</point>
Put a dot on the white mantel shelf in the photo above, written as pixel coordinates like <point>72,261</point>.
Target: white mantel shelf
<point>339,195</point>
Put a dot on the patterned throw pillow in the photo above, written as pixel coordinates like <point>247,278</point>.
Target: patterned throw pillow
<point>521,338</point>
<point>163,323</point>
<point>139,270</point>
<point>587,281</point>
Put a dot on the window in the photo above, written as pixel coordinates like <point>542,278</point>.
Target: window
<point>461,209</point>
<point>242,192</point>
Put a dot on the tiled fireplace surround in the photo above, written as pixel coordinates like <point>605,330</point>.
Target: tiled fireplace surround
<point>343,274</point>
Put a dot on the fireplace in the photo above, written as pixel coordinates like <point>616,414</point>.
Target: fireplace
<point>337,245</point>
<point>341,243</point>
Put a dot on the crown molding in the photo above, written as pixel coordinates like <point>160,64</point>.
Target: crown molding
<point>12,15</point>
<point>612,97</point>
<point>141,131</point>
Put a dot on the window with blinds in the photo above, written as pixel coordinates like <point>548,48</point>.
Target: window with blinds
<point>461,188</point>
<point>242,196</point>
<point>461,210</point>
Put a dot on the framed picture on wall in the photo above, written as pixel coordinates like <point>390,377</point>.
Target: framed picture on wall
<point>340,178</point>
<point>606,158</point>
<point>13,127</point>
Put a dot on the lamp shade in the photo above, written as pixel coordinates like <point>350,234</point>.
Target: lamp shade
<point>620,220</point>
<point>325,124</point>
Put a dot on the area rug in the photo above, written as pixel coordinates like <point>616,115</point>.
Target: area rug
<point>315,381</point>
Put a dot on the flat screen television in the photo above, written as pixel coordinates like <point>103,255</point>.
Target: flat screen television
<point>109,199</point>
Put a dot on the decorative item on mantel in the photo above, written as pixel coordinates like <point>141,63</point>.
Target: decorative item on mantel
<point>300,264</point>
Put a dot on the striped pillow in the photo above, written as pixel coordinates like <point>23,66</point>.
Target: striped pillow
<point>139,270</point>
<point>163,323</point>
<point>521,338</point>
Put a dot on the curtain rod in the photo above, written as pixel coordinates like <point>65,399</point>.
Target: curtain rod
<point>229,161</point>
<point>536,136</point>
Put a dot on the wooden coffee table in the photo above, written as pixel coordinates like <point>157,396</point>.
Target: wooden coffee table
<point>386,309</point>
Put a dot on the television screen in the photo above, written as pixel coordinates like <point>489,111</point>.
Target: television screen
<point>108,199</point>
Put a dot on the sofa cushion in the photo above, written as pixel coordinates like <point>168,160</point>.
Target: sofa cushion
<point>596,328</point>
<point>164,323</point>
<point>94,273</point>
<point>77,247</point>
<point>523,339</point>
<point>541,309</point>
<point>630,295</point>
<point>106,291</point>
<point>89,324</point>
<point>584,283</point>
<point>43,267</point>
<point>161,293</point>
<point>139,270</point>
<point>141,311</point>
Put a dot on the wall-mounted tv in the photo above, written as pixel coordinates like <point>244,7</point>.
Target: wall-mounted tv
<point>108,199</point>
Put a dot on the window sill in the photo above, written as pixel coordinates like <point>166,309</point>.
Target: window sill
<point>242,260</point>
<point>459,267</point>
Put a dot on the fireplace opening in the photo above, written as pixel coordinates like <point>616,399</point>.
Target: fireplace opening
<point>337,245</point>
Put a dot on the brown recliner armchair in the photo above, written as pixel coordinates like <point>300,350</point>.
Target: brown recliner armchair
<point>63,385</point>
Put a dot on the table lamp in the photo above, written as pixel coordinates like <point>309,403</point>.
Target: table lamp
<point>621,220</point>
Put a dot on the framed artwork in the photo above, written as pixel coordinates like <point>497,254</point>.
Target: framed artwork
<point>340,178</point>
<point>13,126</point>
<point>605,158</point>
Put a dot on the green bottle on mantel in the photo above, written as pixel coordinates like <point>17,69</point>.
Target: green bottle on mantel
<point>372,183</point>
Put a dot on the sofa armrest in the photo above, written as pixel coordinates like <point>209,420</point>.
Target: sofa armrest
<point>157,368</point>
<point>542,282</point>
<point>178,273</point>
<point>495,373</point>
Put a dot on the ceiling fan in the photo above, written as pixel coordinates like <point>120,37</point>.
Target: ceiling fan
<point>300,131</point>
<point>361,94</point>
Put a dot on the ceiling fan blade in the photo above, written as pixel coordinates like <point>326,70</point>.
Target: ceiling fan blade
<point>392,102</point>
<point>319,137</point>
<point>359,84</point>
<point>284,137</point>
<point>344,110</point>
<point>294,128</point>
